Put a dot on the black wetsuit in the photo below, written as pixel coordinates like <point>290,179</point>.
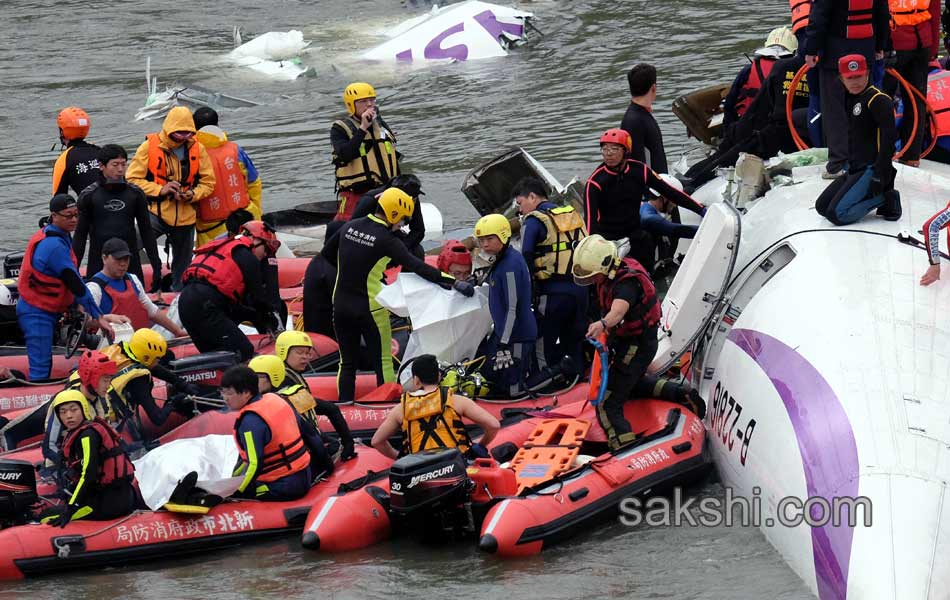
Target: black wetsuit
<point>112,211</point>
<point>211,318</point>
<point>417,227</point>
<point>613,198</point>
<point>362,251</point>
<point>318,284</point>
<point>647,137</point>
<point>77,168</point>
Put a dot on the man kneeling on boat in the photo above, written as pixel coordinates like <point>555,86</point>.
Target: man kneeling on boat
<point>631,310</point>
<point>279,452</point>
<point>430,416</point>
<point>99,473</point>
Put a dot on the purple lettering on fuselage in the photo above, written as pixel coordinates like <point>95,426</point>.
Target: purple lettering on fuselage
<point>434,49</point>
<point>405,55</point>
<point>495,27</point>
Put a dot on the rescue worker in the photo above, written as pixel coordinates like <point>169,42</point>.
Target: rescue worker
<point>176,174</point>
<point>111,208</point>
<point>237,183</point>
<point>117,291</point>
<point>915,34</point>
<point>615,191</point>
<point>658,220</point>
<point>78,166</point>
<point>364,148</point>
<point>136,362</point>
<point>837,28</point>
<point>455,259</point>
<point>361,252</point>
<point>780,43</point>
<point>318,282</point>
<point>631,313</point>
<point>417,227</point>
<point>869,183</point>
<point>931,229</point>
<point>98,471</point>
<point>49,284</point>
<point>511,346</point>
<point>223,287</point>
<point>430,417</point>
<point>276,446</point>
<point>645,135</point>
<point>295,350</point>
<point>92,378</point>
<point>549,234</point>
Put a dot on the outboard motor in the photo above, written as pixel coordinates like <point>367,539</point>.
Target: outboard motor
<point>11,265</point>
<point>205,369</point>
<point>17,492</point>
<point>432,487</point>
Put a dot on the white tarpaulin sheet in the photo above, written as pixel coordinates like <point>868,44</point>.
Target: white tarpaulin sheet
<point>213,457</point>
<point>444,322</point>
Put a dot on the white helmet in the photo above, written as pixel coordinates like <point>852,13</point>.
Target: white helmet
<point>671,181</point>
<point>6,296</point>
<point>593,256</point>
<point>780,43</point>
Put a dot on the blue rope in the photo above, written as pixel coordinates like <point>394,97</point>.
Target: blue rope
<point>604,357</point>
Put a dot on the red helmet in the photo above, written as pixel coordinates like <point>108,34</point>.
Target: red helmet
<point>93,365</point>
<point>264,232</point>
<point>619,137</point>
<point>454,252</point>
<point>73,122</point>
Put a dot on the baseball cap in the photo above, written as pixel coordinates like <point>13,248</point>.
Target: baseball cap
<point>116,248</point>
<point>61,202</point>
<point>852,65</point>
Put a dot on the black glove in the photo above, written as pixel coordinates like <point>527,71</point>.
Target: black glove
<point>503,358</point>
<point>181,403</point>
<point>479,451</point>
<point>63,519</point>
<point>156,278</point>
<point>876,188</point>
<point>187,388</point>
<point>463,287</point>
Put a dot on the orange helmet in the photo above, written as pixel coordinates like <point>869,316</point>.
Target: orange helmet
<point>73,122</point>
<point>264,232</point>
<point>619,137</point>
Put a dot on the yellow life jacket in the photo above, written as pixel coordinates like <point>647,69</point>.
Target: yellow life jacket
<point>909,12</point>
<point>296,391</point>
<point>377,162</point>
<point>128,370</point>
<point>555,254</point>
<point>429,421</point>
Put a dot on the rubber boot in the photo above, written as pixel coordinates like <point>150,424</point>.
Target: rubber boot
<point>891,209</point>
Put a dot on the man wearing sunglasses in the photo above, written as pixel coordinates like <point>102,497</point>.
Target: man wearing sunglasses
<point>50,284</point>
<point>176,173</point>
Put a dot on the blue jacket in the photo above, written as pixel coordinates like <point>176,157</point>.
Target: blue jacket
<point>653,222</point>
<point>509,299</point>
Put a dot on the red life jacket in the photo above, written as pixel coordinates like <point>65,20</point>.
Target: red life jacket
<point>45,292</point>
<point>801,9</point>
<point>214,264</point>
<point>285,453</point>
<point>157,162</point>
<point>641,317</point>
<point>230,185</point>
<point>761,67</point>
<point>938,96</point>
<point>860,23</point>
<point>114,463</point>
<point>125,303</point>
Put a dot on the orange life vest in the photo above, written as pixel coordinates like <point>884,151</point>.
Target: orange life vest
<point>46,292</point>
<point>158,161</point>
<point>114,463</point>
<point>125,303</point>
<point>909,12</point>
<point>230,188</point>
<point>938,96</point>
<point>761,67</point>
<point>800,11</point>
<point>285,453</point>
<point>860,23</point>
<point>214,264</point>
<point>641,317</point>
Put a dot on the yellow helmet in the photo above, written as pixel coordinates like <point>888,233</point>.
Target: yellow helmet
<point>593,255</point>
<point>396,205</point>
<point>147,346</point>
<point>67,396</point>
<point>494,224</point>
<point>270,365</point>
<point>290,339</point>
<point>357,91</point>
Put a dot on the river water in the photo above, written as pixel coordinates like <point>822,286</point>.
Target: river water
<point>553,98</point>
